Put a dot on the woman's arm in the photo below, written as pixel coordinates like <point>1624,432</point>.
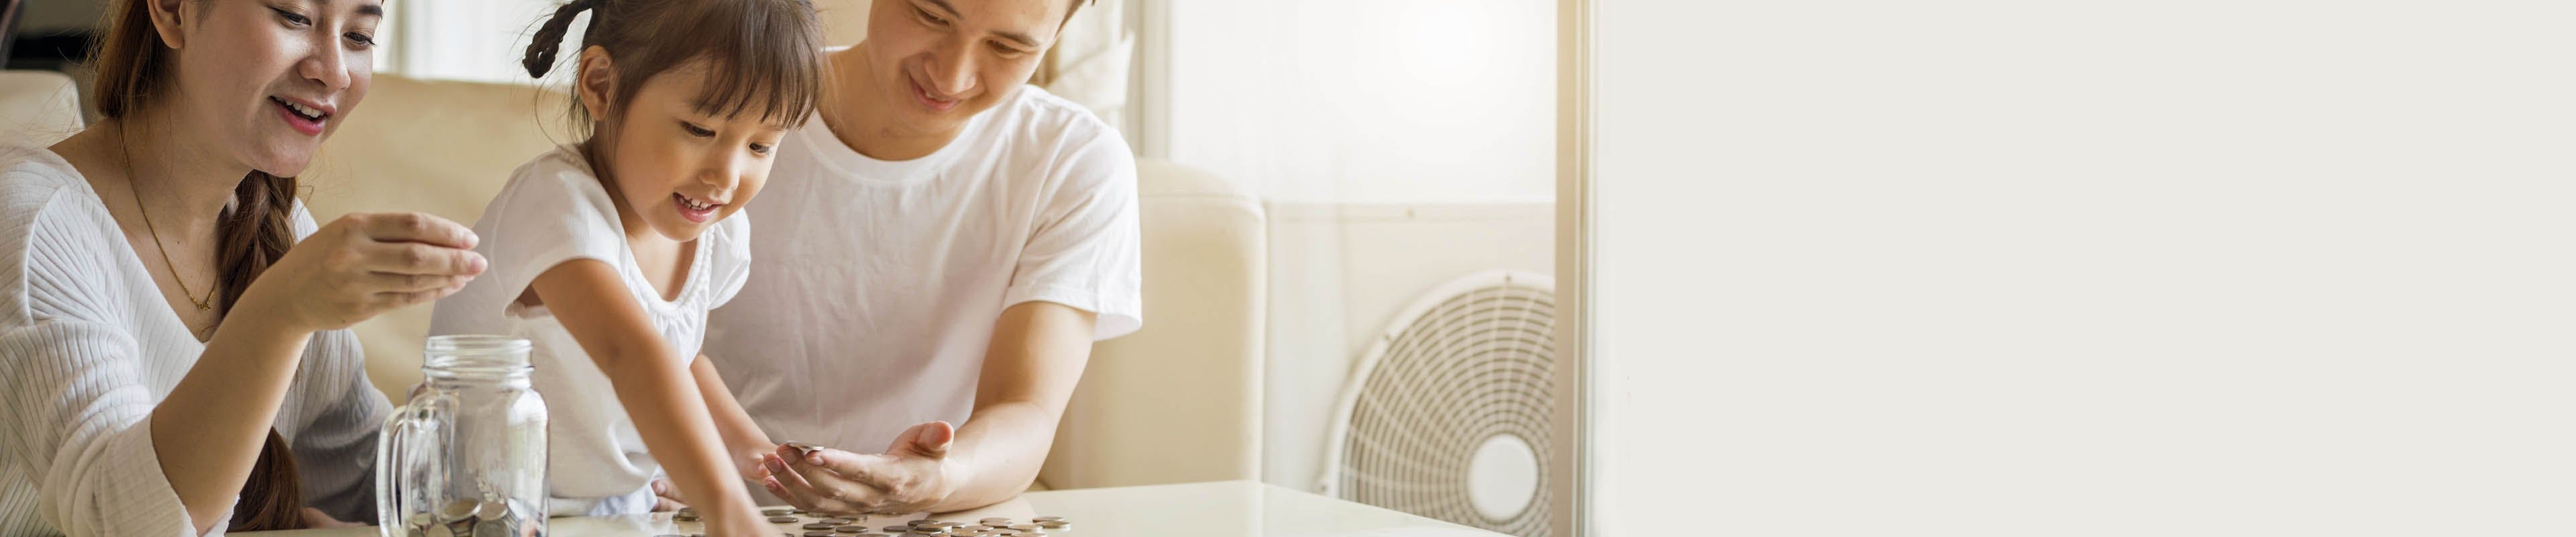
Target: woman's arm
<point>654,386</point>
<point>208,432</point>
<point>105,458</point>
<point>74,369</point>
<point>335,446</point>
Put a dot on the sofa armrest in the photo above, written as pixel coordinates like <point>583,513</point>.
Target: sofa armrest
<point>1179,400</point>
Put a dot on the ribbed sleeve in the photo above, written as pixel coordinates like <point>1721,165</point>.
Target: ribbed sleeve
<point>75,396</point>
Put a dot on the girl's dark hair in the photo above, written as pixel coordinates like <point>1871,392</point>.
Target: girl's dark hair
<point>134,68</point>
<point>761,54</point>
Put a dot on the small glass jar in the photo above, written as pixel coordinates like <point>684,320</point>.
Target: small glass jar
<point>466,457</point>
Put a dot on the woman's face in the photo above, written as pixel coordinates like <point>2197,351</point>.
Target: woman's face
<point>937,63</point>
<point>267,80</point>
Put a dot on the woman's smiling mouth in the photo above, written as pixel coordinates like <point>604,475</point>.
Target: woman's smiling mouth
<point>304,117</point>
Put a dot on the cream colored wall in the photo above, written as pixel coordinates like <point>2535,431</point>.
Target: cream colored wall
<point>1340,273</point>
<point>844,21</point>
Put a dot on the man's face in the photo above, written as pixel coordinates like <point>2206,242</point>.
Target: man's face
<point>937,63</point>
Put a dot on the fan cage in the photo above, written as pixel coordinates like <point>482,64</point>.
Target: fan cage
<point>1472,360</point>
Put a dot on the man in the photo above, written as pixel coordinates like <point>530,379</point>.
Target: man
<point>941,246</point>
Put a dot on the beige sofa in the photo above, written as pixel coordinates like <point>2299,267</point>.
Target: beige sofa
<point>1175,402</point>
<point>37,107</point>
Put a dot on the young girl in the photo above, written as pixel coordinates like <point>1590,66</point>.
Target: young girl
<point>607,254</point>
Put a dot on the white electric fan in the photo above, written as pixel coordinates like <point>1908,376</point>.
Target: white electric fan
<point>1447,415</point>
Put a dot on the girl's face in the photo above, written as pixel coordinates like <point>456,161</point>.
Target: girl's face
<point>677,170</point>
<point>266,80</point>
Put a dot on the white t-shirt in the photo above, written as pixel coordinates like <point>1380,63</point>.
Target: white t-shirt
<point>880,281</point>
<point>555,210</point>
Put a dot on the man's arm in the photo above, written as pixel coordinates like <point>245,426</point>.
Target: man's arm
<point>1036,356</point>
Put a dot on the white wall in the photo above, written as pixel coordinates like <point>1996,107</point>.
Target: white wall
<point>1367,101</point>
<point>481,40</point>
<point>2245,267</point>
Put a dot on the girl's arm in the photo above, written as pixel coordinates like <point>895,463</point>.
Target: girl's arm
<point>742,437</point>
<point>653,385</point>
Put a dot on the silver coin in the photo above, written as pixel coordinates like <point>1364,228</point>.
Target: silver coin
<point>802,448</point>
<point>459,509</point>
<point>846,528</point>
<point>819,526</point>
<point>778,512</point>
<point>818,534</point>
<point>499,527</point>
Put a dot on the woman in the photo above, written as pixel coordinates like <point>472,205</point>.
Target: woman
<point>168,365</point>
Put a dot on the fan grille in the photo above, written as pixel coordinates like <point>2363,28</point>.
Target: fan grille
<point>1473,367</point>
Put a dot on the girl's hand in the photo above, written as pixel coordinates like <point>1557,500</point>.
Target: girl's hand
<point>742,520</point>
<point>362,265</point>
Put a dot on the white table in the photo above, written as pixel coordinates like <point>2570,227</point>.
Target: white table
<point>1216,509</point>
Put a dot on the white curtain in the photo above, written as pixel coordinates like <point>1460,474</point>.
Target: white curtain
<point>1091,60</point>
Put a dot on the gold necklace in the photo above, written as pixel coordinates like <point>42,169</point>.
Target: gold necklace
<point>131,188</point>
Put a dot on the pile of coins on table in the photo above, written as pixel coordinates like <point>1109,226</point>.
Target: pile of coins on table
<point>473,518</point>
<point>816,526</point>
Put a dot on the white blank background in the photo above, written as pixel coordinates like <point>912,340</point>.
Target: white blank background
<point>2243,267</point>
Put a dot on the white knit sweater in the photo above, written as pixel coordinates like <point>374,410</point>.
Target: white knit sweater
<point>88,347</point>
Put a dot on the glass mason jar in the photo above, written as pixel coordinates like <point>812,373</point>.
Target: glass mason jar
<point>466,457</point>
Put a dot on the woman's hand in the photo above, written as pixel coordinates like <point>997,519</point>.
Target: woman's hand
<point>362,265</point>
<point>913,475</point>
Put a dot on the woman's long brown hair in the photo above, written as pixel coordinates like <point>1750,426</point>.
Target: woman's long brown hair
<point>133,69</point>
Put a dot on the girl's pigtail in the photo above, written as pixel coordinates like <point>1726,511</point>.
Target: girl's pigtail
<point>549,38</point>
